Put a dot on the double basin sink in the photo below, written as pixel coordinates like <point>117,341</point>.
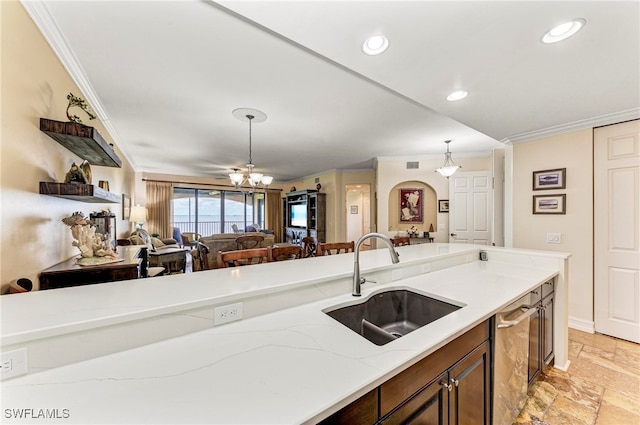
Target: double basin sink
<point>386,316</point>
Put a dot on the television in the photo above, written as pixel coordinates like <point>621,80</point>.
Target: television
<point>298,217</point>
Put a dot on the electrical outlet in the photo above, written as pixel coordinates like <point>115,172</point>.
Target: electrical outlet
<point>13,363</point>
<point>554,237</point>
<point>396,274</point>
<point>227,313</point>
<point>425,268</point>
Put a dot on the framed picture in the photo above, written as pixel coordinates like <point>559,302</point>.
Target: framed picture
<point>411,209</point>
<point>549,179</point>
<point>354,209</point>
<point>549,204</point>
<point>443,205</point>
<point>126,206</point>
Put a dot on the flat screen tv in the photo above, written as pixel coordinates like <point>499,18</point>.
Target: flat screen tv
<point>298,215</point>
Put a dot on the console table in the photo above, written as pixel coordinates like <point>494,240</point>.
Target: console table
<point>68,273</point>
<point>418,241</point>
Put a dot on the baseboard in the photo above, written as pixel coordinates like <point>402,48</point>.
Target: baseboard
<point>563,367</point>
<point>582,325</point>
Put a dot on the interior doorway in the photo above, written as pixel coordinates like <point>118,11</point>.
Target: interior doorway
<point>358,211</point>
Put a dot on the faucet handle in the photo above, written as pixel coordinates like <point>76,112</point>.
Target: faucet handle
<point>365,280</point>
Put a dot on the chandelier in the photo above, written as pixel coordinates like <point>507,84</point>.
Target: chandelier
<point>448,169</point>
<point>254,179</point>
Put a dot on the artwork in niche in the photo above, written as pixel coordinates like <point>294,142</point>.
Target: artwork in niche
<point>549,179</point>
<point>443,206</point>
<point>549,204</point>
<point>126,206</point>
<point>411,210</point>
<point>354,209</point>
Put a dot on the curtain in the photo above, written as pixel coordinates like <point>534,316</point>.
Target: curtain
<point>273,213</point>
<point>159,196</point>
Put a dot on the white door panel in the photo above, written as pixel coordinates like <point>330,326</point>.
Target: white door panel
<point>617,230</point>
<point>470,208</point>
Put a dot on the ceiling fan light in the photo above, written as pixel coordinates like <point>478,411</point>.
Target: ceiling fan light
<point>457,95</point>
<point>375,45</point>
<point>563,31</point>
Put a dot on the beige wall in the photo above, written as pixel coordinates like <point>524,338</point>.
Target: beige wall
<point>573,151</point>
<point>35,84</point>
<point>393,173</point>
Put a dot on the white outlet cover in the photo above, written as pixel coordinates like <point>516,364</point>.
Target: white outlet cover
<point>14,363</point>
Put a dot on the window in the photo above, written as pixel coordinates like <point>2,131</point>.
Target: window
<point>207,211</point>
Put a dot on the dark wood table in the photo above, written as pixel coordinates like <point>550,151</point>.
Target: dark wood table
<point>68,273</point>
<point>174,260</point>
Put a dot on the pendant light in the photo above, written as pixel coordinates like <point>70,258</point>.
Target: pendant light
<point>252,177</point>
<point>448,169</point>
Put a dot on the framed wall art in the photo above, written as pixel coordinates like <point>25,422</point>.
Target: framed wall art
<point>411,208</point>
<point>126,206</point>
<point>549,179</point>
<point>549,204</point>
<point>354,209</point>
<point>443,205</point>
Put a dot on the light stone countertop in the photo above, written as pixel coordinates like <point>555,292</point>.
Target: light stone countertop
<point>295,365</point>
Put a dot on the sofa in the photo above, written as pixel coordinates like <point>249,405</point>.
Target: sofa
<point>227,242</point>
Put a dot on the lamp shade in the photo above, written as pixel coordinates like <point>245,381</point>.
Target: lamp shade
<point>138,214</point>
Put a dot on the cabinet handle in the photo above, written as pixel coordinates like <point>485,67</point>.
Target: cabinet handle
<point>455,382</point>
<point>447,386</point>
<point>535,292</point>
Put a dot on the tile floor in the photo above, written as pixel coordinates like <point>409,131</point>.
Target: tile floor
<point>601,387</point>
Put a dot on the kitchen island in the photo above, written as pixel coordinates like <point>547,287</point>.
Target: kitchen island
<point>285,362</point>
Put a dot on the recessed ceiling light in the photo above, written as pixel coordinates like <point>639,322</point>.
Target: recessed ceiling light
<point>375,45</point>
<point>564,31</point>
<point>457,95</point>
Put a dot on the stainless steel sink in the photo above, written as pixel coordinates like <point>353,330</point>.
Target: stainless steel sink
<point>388,315</point>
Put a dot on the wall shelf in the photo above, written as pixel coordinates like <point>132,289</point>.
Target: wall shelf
<point>79,192</point>
<point>82,140</point>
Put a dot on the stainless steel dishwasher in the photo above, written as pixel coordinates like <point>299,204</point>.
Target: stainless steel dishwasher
<point>511,360</point>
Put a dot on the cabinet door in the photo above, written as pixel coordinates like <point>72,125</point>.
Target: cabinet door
<point>470,401</point>
<point>428,407</point>
<point>547,329</point>
<point>363,411</point>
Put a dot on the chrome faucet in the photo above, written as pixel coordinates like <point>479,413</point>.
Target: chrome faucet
<point>357,281</point>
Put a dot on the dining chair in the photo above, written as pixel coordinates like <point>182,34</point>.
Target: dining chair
<point>401,240</point>
<point>243,257</point>
<point>249,241</point>
<point>282,253</point>
<point>331,248</point>
<point>309,247</point>
<point>201,260</point>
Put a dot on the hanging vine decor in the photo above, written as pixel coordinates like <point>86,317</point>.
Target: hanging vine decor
<point>82,104</point>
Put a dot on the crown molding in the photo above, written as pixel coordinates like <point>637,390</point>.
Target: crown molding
<point>599,121</point>
<point>43,19</point>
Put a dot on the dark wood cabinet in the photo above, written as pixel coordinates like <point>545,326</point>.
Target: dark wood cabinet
<point>452,385</point>
<point>541,330</point>
<point>68,273</point>
<point>304,215</point>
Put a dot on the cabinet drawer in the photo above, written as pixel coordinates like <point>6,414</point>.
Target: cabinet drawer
<point>363,411</point>
<point>406,383</point>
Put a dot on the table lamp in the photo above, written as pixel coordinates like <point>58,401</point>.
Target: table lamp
<point>138,215</point>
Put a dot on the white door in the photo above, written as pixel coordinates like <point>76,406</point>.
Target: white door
<point>470,207</point>
<point>617,230</point>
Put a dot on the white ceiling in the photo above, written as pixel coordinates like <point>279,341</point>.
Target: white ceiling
<point>165,76</point>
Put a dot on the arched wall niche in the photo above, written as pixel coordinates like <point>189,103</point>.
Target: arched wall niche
<point>429,207</point>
